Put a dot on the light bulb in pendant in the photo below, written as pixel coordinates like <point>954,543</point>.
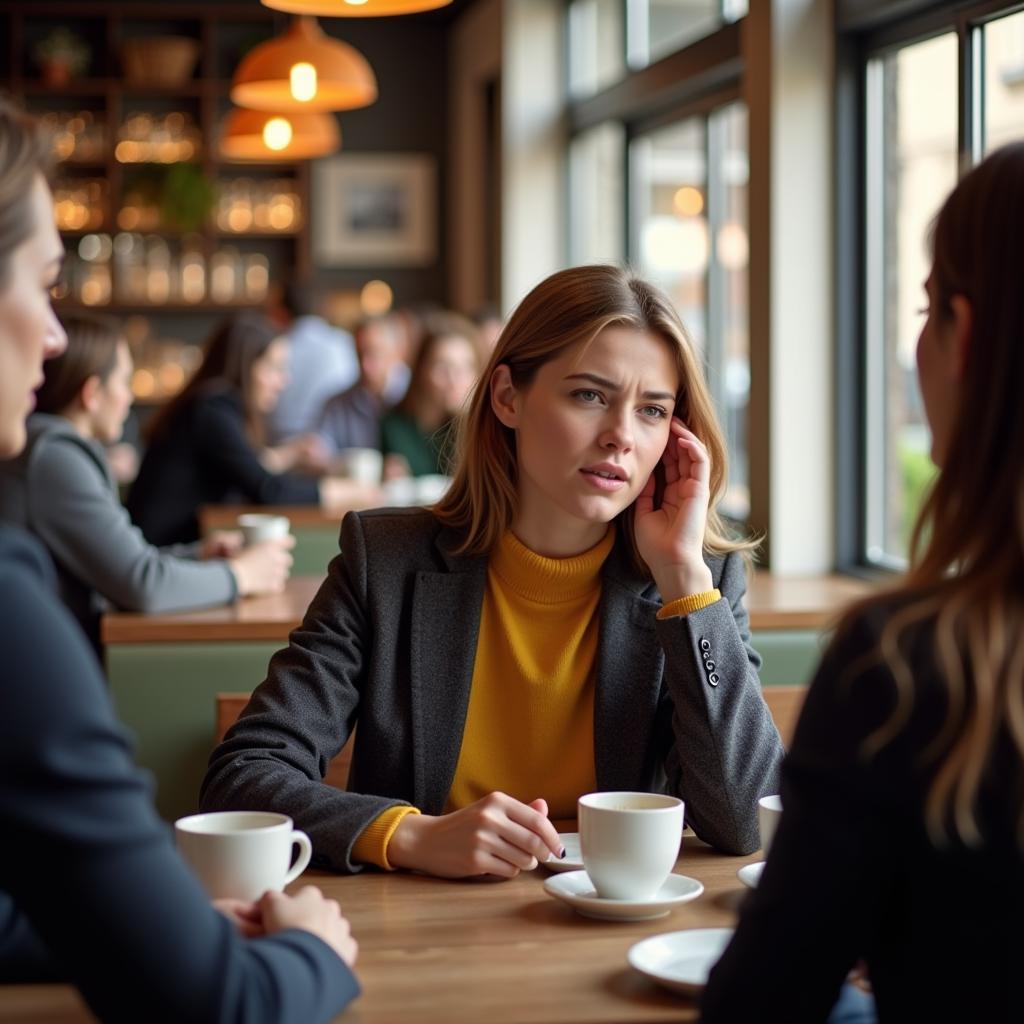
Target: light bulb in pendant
<point>302,80</point>
<point>277,133</point>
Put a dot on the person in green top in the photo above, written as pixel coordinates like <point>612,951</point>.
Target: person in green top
<point>414,435</point>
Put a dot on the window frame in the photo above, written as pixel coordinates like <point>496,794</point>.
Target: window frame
<point>865,30</point>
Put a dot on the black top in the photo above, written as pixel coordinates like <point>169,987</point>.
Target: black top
<point>204,457</point>
<point>852,874</point>
<point>91,889</point>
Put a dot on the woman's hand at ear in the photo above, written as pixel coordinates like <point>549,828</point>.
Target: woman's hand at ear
<point>670,539</point>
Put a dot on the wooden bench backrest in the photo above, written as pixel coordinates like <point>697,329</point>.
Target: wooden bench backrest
<point>229,707</point>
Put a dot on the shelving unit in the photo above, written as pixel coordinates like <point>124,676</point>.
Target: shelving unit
<point>223,33</point>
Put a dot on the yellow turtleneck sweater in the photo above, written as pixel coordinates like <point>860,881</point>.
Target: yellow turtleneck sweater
<point>530,722</point>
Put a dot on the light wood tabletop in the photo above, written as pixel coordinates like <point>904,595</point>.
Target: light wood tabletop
<point>773,603</point>
<point>476,951</point>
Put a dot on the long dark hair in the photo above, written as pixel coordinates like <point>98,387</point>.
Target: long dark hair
<point>966,580</point>
<point>227,366</point>
<point>24,153</point>
<point>91,352</point>
<point>438,327</point>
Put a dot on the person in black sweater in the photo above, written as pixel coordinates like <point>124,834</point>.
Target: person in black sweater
<point>91,888</point>
<point>901,841</point>
<point>206,445</point>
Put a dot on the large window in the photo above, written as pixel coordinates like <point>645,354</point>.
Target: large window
<point>935,100</point>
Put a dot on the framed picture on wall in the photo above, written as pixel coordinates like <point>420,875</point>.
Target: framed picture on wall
<point>375,210</point>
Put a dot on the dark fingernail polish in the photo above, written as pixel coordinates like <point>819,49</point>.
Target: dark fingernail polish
<point>561,855</point>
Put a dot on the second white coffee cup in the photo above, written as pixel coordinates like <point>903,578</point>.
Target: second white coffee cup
<point>258,527</point>
<point>629,841</point>
<point>769,811</point>
<point>242,854</point>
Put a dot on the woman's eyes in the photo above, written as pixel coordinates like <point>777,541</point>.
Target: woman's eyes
<point>654,412</point>
<point>589,397</point>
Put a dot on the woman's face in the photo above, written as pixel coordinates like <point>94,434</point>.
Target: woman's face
<point>941,356</point>
<point>590,429</point>
<point>270,376</point>
<point>29,329</point>
<point>451,372</point>
<point>114,399</point>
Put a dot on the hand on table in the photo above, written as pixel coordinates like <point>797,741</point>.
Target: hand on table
<point>263,568</point>
<point>497,835</point>
<point>221,544</point>
<point>670,539</point>
<point>245,916</point>
<point>309,910</point>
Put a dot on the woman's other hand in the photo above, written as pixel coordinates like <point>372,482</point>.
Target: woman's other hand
<point>497,835</point>
<point>310,911</point>
<point>670,539</point>
<point>263,568</point>
<point>245,916</point>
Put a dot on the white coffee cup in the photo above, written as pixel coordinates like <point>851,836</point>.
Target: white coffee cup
<point>431,488</point>
<point>242,854</point>
<point>629,841</point>
<point>769,811</point>
<point>364,465</point>
<point>258,527</point>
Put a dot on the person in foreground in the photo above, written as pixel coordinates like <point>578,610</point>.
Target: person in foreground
<point>60,488</point>
<point>568,618</point>
<point>902,834</point>
<point>91,888</point>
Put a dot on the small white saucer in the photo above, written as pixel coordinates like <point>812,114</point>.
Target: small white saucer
<point>573,860</point>
<point>680,961</point>
<point>750,874</point>
<point>576,889</point>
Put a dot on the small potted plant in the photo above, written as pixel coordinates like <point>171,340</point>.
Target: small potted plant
<point>61,56</point>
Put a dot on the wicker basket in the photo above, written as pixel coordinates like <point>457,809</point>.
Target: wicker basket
<point>159,60</point>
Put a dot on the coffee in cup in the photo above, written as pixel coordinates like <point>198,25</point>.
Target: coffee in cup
<point>769,811</point>
<point>242,854</point>
<point>258,527</point>
<point>629,842</point>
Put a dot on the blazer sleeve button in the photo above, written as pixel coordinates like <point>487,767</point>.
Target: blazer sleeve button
<point>705,645</point>
<point>713,679</point>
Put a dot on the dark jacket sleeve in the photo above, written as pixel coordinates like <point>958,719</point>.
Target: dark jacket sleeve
<point>725,751</point>
<point>277,753</point>
<point>807,923</point>
<point>229,454</point>
<point>89,870</point>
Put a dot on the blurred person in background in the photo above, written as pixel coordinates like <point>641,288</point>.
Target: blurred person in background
<point>489,324</point>
<point>352,418</point>
<point>206,444</point>
<point>61,489</point>
<point>322,363</point>
<point>415,434</point>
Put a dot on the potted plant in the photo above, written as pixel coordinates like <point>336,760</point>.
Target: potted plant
<point>61,55</point>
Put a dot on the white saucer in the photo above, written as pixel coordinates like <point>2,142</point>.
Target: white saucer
<point>573,860</point>
<point>680,961</point>
<point>750,874</point>
<point>576,889</point>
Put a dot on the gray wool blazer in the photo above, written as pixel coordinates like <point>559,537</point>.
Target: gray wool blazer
<point>390,641</point>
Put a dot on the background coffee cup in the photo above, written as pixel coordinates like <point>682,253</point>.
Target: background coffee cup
<point>258,527</point>
<point>364,465</point>
<point>629,841</point>
<point>242,854</point>
<point>769,811</point>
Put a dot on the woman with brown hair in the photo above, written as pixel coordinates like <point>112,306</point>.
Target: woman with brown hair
<point>568,618</point>
<point>206,444</point>
<point>60,488</point>
<point>902,834</point>
<point>91,888</point>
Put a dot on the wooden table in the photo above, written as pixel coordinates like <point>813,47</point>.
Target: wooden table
<point>485,952</point>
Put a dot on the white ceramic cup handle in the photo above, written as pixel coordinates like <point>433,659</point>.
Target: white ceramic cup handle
<point>305,853</point>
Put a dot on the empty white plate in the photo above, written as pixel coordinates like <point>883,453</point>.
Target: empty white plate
<point>573,860</point>
<point>683,960</point>
<point>750,874</point>
<point>576,889</point>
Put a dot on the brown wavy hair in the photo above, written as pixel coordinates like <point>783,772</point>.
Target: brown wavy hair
<point>91,352</point>
<point>965,585</point>
<point>570,308</point>
<point>25,151</point>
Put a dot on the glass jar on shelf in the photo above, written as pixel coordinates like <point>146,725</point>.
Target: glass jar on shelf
<point>192,271</point>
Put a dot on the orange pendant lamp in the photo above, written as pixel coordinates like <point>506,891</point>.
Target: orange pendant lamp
<point>278,135</point>
<point>354,8</point>
<point>304,69</point>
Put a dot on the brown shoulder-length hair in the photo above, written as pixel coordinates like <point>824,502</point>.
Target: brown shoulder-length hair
<point>966,578</point>
<point>91,352</point>
<point>24,152</point>
<point>226,366</point>
<point>437,327</point>
<point>567,309</point>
